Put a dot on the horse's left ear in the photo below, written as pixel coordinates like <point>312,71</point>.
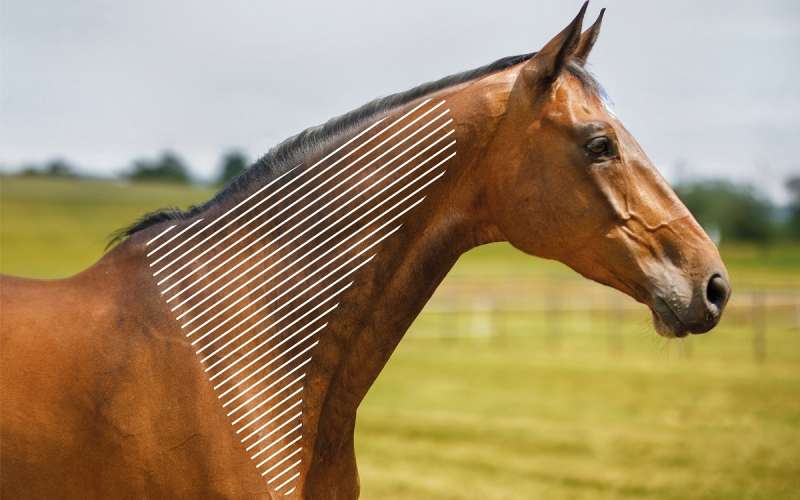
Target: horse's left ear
<point>587,40</point>
<point>544,67</point>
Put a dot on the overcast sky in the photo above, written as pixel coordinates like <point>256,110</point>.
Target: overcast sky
<point>711,85</point>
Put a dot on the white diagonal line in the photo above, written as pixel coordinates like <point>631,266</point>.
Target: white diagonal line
<point>265,342</point>
<point>229,354</point>
<point>302,173</point>
<point>297,212</point>
<point>254,337</point>
<point>291,252</point>
<point>271,408</point>
<point>270,421</point>
<point>328,258</point>
<point>261,261</point>
<point>276,405</point>
<point>284,281</point>
<point>289,337</point>
<point>221,217</point>
<point>311,179</point>
<point>276,429</point>
<point>277,309</point>
<point>304,267</point>
<point>296,284</point>
<point>275,322</point>
<point>284,459</point>
<point>278,440</point>
<point>159,235</point>
<point>287,469</point>
<point>320,221</point>
<point>278,452</point>
<point>269,351</point>
<point>159,247</point>
<point>303,196</point>
<point>270,446</point>
<point>437,177</point>
<point>319,269</point>
<point>322,279</point>
<point>277,488</point>
<point>267,377</point>
<point>274,383</point>
<point>269,398</point>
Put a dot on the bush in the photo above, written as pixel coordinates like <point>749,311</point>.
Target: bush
<point>232,165</point>
<point>737,211</point>
<point>167,168</point>
<point>793,221</point>
<point>54,168</point>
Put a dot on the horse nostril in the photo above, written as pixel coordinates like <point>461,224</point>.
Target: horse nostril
<point>717,292</point>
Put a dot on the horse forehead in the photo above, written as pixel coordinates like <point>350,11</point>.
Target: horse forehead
<point>572,103</point>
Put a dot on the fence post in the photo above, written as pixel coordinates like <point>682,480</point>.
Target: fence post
<point>553,315</point>
<point>499,325</point>
<point>615,317</point>
<point>445,324</point>
<point>759,327</point>
<point>481,318</point>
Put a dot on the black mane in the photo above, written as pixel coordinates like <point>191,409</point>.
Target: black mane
<point>291,151</point>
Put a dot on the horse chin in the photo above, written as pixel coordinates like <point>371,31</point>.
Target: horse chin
<point>667,323</point>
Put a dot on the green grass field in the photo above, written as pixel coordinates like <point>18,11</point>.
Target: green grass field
<point>515,400</point>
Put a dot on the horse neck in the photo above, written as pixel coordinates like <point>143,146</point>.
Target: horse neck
<point>407,271</point>
<point>385,283</point>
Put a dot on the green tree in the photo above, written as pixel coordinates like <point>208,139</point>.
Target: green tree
<point>738,212</point>
<point>793,222</point>
<point>232,165</point>
<point>167,168</point>
<point>59,168</point>
<point>30,170</point>
<point>56,167</point>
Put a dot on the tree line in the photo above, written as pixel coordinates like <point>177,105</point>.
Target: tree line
<point>738,212</point>
<point>728,211</point>
<point>167,167</point>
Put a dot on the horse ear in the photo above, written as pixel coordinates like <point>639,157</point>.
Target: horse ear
<point>587,39</point>
<point>545,66</point>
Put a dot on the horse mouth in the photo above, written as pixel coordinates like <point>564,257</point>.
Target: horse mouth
<point>666,321</point>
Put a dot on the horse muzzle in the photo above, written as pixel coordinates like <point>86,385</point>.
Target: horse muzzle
<point>677,313</point>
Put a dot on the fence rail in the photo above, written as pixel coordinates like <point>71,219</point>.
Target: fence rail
<point>484,316</point>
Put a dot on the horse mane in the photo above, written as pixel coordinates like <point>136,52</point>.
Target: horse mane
<point>291,151</point>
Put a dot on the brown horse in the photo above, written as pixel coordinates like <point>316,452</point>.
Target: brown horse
<point>223,352</point>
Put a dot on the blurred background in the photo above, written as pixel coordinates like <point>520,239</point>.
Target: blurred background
<point>520,379</point>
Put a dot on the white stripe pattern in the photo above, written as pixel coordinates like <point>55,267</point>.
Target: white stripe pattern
<point>254,287</point>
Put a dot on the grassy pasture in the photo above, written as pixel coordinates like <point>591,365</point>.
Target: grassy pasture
<point>556,389</point>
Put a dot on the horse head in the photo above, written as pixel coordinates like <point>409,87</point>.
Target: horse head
<point>568,181</point>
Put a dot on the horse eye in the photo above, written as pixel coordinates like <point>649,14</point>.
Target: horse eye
<point>599,147</point>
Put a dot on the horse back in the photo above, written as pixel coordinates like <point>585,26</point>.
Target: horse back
<point>102,397</point>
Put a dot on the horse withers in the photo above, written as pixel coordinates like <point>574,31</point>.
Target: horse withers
<point>223,352</point>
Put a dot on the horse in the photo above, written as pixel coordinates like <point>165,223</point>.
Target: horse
<point>223,351</point>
